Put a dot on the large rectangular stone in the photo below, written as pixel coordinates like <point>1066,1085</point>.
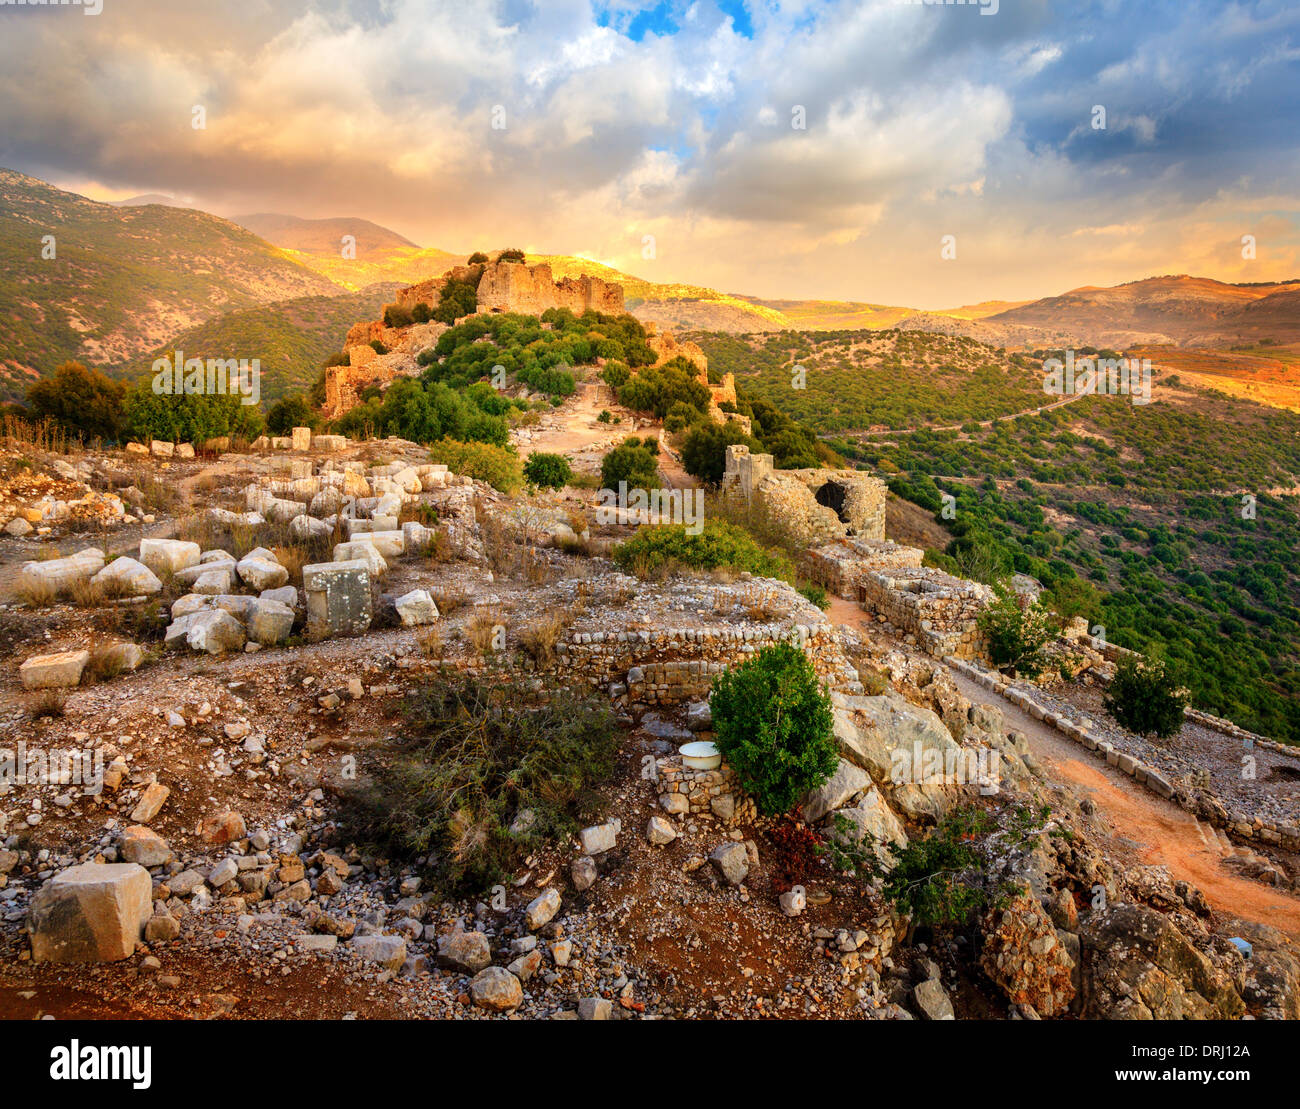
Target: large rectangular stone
<point>93,913</point>
<point>338,598</point>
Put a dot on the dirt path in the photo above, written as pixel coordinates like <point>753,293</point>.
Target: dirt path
<point>1148,828</point>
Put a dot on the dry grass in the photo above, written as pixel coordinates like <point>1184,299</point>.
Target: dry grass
<point>35,593</point>
<point>541,635</point>
<point>105,663</point>
<point>449,599</point>
<point>485,630</point>
<point>47,703</point>
<point>43,435</point>
<point>429,641</point>
<point>761,604</point>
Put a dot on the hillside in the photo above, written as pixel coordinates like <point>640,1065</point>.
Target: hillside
<point>863,380</point>
<point>291,338</point>
<point>124,279</point>
<point>1170,309</point>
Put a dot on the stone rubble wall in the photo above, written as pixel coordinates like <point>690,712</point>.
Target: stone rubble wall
<point>675,665</point>
<point>712,793</point>
<point>940,610</point>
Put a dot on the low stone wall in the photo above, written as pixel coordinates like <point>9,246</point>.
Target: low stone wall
<point>840,567</point>
<point>1256,828</point>
<point>703,793</point>
<point>671,666</point>
<point>939,610</point>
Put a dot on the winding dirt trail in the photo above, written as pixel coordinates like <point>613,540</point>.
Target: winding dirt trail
<point>1143,827</point>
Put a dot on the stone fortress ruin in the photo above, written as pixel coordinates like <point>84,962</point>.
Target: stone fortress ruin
<point>502,287</point>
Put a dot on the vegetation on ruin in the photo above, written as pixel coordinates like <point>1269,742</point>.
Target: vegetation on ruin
<point>498,466</point>
<point>1018,628</point>
<point>772,722</point>
<point>720,545</point>
<point>85,403</point>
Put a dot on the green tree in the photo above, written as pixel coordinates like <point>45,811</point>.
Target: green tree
<point>704,450</point>
<point>772,722</point>
<point>1017,629</point>
<point>1143,696</point>
<point>548,471</point>
<point>85,402</point>
<point>290,412</point>
<point>631,462</point>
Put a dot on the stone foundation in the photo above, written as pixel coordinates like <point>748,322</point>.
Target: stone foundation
<point>840,567</point>
<point>710,794</point>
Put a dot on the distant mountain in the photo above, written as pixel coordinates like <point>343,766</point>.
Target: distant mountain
<point>323,236</point>
<point>290,338</point>
<point>1172,309</point>
<point>147,198</point>
<point>123,280</point>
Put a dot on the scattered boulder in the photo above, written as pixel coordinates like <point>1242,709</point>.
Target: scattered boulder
<point>415,608</point>
<point>467,951</point>
<point>142,845</point>
<point>60,670</point>
<point>128,578</point>
<point>166,556</point>
<point>731,861</point>
<point>496,989</point>
<point>93,913</point>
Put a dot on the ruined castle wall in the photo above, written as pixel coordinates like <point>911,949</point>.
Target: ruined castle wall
<point>939,610</point>
<point>840,567</point>
<point>516,287</point>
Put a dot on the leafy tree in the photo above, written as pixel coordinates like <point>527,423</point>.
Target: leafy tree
<point>1017,630</point>
<point>85,402</point>
<point>458,298</point>
<point>189,417</point>
<point>657,389</point>
<point>498,466</point>
<point>772,722</point>
<point>477,258</point>
<point>548,471</point>
<point>1144,698</point>
<point>290,412</point>
<point>704,451</point>
<point>511,255</point>
<point>631,462</point>
<point>396,315</point>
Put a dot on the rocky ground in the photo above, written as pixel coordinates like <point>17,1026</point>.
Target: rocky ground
<point>225,772</point>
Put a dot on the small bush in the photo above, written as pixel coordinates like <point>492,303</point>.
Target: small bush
<point>719,545</point>
<point>548,471</point>
<point>1144,698</point>
<point>498,466</point>
<point>816,594</point>
<point>396,315</point>
<point>773,725</point>
<point>633,462</point>
<point>1017,630</point>
<point>476,759</point>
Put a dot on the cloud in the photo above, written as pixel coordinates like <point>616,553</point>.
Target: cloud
<point>920,122</point>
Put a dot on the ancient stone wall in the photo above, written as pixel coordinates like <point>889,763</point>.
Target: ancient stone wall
<point>938,610</point>
<point>840,567</point>
<point>809,507</point>
<point>516,287</point>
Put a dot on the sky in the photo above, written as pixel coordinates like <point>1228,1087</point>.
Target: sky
<point>802,150</point>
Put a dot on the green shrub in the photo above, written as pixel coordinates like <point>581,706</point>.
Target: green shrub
<point>704,451</point>
<point>719,545</point>
<point>290,412</point>
<point>513,254</point>
<point>1144,697</point>
<point>458,298</point>
<point>473,761</point>
<point>189,417</point>
<point>632,462</point>
<point>1017,630</point>
<point>84,402</point>
<point>421,313</point>
<point>477,258</point>
<point>816,594</point>
<point>772,722</point>
<point>548,471</point>
<point>657,389</point>
<point>498,466</point>
<point>396,315</point>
